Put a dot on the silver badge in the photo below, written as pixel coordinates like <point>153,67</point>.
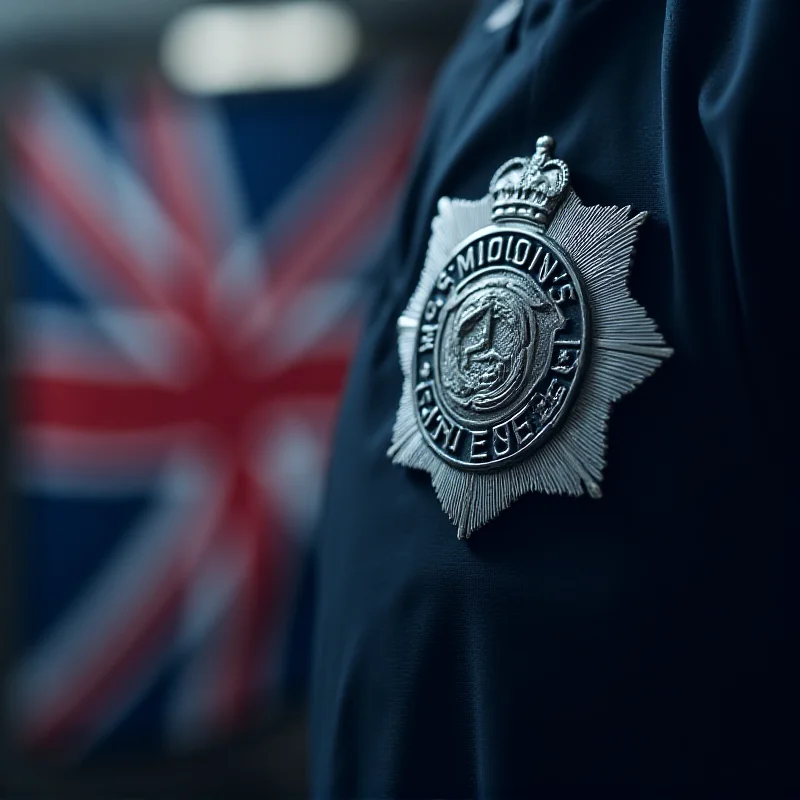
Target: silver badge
<point>519,336</point>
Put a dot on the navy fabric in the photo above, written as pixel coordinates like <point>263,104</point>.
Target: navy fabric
<point>638,640</point>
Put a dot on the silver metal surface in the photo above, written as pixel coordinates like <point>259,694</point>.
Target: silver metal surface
<point>519,336</point>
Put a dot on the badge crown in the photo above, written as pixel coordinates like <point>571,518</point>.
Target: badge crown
<point>530,188</point>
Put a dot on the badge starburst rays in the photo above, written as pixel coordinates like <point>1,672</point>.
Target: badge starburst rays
<point>626,347</point>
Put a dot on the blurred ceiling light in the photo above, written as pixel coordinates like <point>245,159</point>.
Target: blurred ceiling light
<point>213,49</point>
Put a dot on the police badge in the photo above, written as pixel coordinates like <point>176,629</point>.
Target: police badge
<point>519,336</point>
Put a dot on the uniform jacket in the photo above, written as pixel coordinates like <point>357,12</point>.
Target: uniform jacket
<point>635,641</point>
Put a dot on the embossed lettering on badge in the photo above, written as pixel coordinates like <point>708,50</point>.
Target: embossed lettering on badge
<point>519,336</point>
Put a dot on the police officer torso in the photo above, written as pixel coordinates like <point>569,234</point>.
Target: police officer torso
<point>627,640</point>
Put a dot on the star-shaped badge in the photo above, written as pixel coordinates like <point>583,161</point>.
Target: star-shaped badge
<point>520,335</point>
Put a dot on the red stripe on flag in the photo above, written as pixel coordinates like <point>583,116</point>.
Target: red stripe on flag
<point>256,609</point>
<point>91,230</point>
<point>174,170</point>
<point>220,403</point>
<point>93,406</point>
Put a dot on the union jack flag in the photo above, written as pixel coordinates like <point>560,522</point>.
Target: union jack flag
<point>186,283</point>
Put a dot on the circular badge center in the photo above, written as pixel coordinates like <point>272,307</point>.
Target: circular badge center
<point>500,348</point>
<point>487,344</point>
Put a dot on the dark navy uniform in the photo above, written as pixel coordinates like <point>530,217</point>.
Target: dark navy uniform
<point>636,640</point>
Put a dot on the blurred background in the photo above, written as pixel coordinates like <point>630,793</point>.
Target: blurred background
<point>193,197</point>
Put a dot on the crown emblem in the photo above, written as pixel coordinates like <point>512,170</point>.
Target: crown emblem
<point>530,188</point>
